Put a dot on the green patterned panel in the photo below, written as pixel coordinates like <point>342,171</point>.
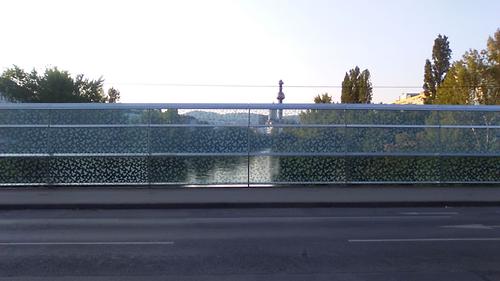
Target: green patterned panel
<point>392,169</point>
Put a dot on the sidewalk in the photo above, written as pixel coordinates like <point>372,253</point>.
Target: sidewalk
<point>217,197</point>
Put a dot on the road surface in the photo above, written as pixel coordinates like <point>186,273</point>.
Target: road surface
<point>346,244</point>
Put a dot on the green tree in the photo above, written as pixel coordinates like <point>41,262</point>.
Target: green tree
<point>492,53</point>
<point>356,87</point>
<point>475,79</point>
<point>113,95</point>
<point>493,48</point>
<point>53,85</point>
<point>324,98</point>
<point>435,72</point>
<point>441,55</point>
<point>16,84</point>
<point>429,83</point>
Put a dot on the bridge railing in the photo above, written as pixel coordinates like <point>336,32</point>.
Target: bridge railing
<point>247,144</point>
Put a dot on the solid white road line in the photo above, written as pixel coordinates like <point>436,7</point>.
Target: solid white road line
<point>428,213</point>
<point>100,243</point>
<point>423,240</point>
<point>472,226</point>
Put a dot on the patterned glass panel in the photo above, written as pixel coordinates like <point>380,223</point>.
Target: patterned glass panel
<point>480,118</point>
<point>95,170</point>
<point>86,140</point>
<point>215,117</point>
<point>393,140</point>
<point>24,140</point>
<point>291,131</point>
<point>392,169</point>
<point>199,139</point>
<point>24,117</point>
<point>296,116</point>
<point>18,170</point>
<point>98,116</point>
<point>470,169</point>
<point>199,170</point>
<point>227,146</point>
<point>392,117</point>
<point>298,140</point>
<point>269,169</point>
<point>470,141</point>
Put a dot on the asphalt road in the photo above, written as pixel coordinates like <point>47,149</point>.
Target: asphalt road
<point>375,244</point>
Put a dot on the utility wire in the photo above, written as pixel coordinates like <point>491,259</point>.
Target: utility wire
<point>285,86</point>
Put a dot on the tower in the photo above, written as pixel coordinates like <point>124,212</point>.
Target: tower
<point>280,98</point>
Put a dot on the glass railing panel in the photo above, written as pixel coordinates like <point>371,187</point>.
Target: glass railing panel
<point>99,140</point>
<point>199,131</point>
<point>24,140</point>
<point>237,146</point>
<point>385,140</point>
<point>99,131</point>
<point>470,141</point>
<point>98,170</point>
<point>24,117</point>
<point>297,170</point>
<point>391,117</point>
<point>289,140</point>
<point>99,116</point>
<point>24,170</point>
<point>302,116</point>
<point>470,169</point>
<point>297,131</point>
<point>198,170</point>
<point>215,117</point>
<point>196,139</point>
<point>477,118</point>
<point>392,169</point>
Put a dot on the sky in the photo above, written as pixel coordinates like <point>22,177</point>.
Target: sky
<point>147,49</point>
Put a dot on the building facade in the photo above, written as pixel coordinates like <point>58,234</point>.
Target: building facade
<point>411,98</point>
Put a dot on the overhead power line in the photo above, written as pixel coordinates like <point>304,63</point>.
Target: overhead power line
<point>275,86</point>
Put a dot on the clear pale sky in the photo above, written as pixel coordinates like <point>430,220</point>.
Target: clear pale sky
<point>139,45</point>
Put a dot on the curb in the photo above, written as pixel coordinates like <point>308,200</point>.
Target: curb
<point>256,205</point>
<point>205,198</point>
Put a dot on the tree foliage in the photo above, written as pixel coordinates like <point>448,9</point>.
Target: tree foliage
<point>429,83</point>
<point>475,79</point>
<point>53,85</point>
<point>435,72</point>
<point>441,55</point>
<point>357,87</point>
<point>324,98</point>
<point>113,95</point>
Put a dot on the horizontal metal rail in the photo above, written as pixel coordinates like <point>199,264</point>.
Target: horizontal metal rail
<point>255,154</point>
<point>296,126</point>
<point>246,106</point>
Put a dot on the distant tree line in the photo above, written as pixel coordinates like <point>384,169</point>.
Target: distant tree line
<point>53,85</point>
<point>356,88</point>
<point>474,79</point>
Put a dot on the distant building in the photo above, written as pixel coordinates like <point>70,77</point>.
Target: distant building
<point>411,98</point>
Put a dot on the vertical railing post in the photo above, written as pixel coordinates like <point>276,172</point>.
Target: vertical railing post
<point>148,155</point>
<point>440,148</point>
<point>248,148</point>
<point>346,162</point>
<point>50,152</point>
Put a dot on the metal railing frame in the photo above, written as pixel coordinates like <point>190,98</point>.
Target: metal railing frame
<point>248,108</point>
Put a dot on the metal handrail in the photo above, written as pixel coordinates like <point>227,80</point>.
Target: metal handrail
<point>246,106</point>
<point>297,126</point>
